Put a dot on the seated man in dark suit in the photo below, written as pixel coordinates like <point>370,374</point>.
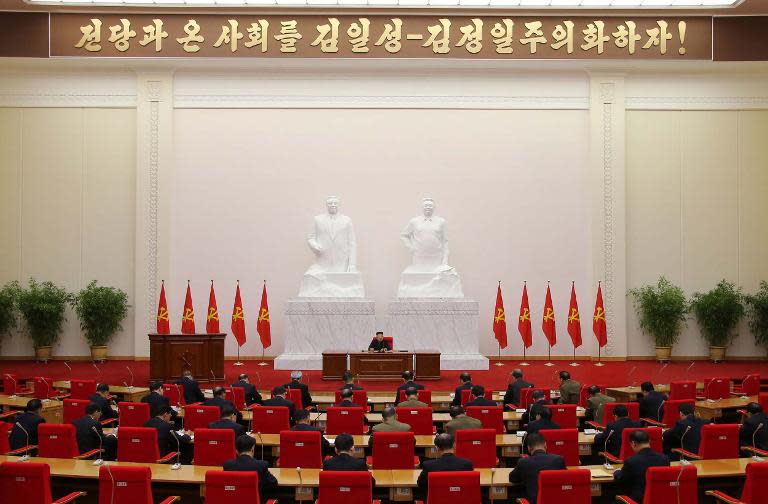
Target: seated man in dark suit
<point>227,421</point>
<point>344,459</point>
<point>303,424</point>
<point>466,384</point>
<point>751,434</point>
<point>610,439</point>
<point>379,344</point>
<point>538,400</point>
<point>527,470</point>
<point>219,401</point>
<point>245,461</point>
<point>192,392</point>
<point>278,399</point>
<point>156,400</point>
<point>651,402</point>
<point>167,439</point>
<point>29,420</point>
<point>542,420</point>
<point>686,433</point>
<point>632,474</point>
<point>90,436</point>
<point>349,381</point>
<point>407,383</point>
<point>101,397</point>
<point>446,461</point>
<point>479,392</point>
<point>306,397</point>
<point>252,395</point>
<point>346,399</point>
<point>512,395</point>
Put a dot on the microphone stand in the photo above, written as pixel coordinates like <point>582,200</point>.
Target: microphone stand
<point>755,456</point>
<point>24,457</point>
<point>683,460</point>
<point>261,442</point>
<point>130,387</point>
<point>607,465</point>
<point>13,395</point>
<point>176,466</point>
<point>659,417</point>
<point>99,460</point>
<point>112,496</point>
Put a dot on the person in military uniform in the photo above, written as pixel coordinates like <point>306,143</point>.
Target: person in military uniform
<point>596,403</point>
<point>412,400</point>
<point>390,423</point>
<point>460,420</point>
<point>378,344</point>
<point>569,389</point>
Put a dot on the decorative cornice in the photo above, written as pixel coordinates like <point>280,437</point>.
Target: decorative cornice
<point>607,98</point>
<point>25,98</point>
<point>696,102</point>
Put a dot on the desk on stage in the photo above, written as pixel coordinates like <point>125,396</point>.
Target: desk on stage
<point>171,354</point>
<point>381,366</point>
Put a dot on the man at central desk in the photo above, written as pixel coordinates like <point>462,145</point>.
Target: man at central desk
<point>379,344</point>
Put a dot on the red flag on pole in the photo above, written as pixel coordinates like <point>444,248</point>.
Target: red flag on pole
<point>598,319</point>
<point>163,324</point>
<point>500,320</point>
<point>524,320</point>
<point>574,319</point>
<point>548,320</point>
<point>212,322</point>
<point>262,325</point>
<point>238,318</point>
<point>188,318</point>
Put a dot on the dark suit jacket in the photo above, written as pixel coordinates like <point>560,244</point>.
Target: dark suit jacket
<point>749,427</point>
<point>87,440</point>
<point>512,395</point>
<point>542,424</point>
<point>306,397</point>
<point>325,445</point>
<point>223,403</point>
<point>527,471</point>
<point>405,386</point>
<point>166,438</point>
<point>650,405</point>
<point>632,475</point>
<point>352,387</point>
<point>155,401</point>
<point>447,462</point>
<point>345,462</point>
<point>29,421</point>
<point>226,424</point>
<point>346,403</point>
<point>614,442</point>
<point>106,406</point>
<point>457,393</point>
<point>480,401</point>
<point>252,395</point>
<point>192,392</point>
<point>377,346</point>
<point>279,401</point>
<point>530,412</point>
<point>691,442</point>
<point>267,481</point>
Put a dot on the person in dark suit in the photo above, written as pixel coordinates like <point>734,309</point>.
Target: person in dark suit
<point>167,438</point>
<point>349,381</point>
<point>686,433</point>
<point>632,474</point>
<point>446,461</point>
<point>751,434</point>
<point>101,397</point>
<point>303,424</point>
<point>306,397</point>
<point>278,399</point>
<point>24,431</point>
<point>90,436</point>
<point>466,384</point>
<point>651,402</point>
<point>538,400</point>
<point>218,400</point>
<point>344,459</point>
<point>192,392</point>
<point>610,439</point>
<point>379,344</point>
<point>512,395</point>
<point>408,382</point>
<point>479,392</point>
<point>252,395</point>
<point>156,400</point>
<point>527,470</point>
<point>346,399</point>
<point>245,461</point>
<point>542,420</point>
<point>227,421</point>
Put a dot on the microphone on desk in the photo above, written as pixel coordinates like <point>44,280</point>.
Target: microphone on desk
<point>631,372</point>
<point>688,369</point>
<point>47,386</point>
<point>298,471</point>
<point>661,370</point>
<point>755,456</point>
<point>177,465</point>
<point>97,370</point>
<point>683,460</point>
<point>112,478</point>
<point>214,377</point>
<point>261,442</point>
<point>99,460</point>
<point>131,372</point>
<point>607,464</point>
<point>659,417</point>
<point>24,457</point>
<point>70,370</point>
<point>10,377</point>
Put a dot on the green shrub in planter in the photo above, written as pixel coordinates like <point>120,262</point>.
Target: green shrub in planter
<point>101,311</point>
<point>42,305</point>
<point>661,309</point>
<point>9,295</point>
<point>758,315</point>
<point>718,312</point>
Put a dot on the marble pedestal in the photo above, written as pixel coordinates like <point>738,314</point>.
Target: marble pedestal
<point>323,284</point>
<point>448,325</point>
<point>314,325</point>
<point>441,284</point>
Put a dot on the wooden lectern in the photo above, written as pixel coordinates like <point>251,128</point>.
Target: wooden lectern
<point>171,354</point>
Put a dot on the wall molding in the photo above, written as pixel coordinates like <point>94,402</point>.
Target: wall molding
<point>20,98</point>
<point>696,102</point>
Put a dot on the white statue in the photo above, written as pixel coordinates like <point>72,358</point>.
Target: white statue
<point>429,275</point>
<point>334,272</point>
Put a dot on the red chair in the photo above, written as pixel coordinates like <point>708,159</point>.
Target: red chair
<point>81,389</point>
<point>236,395</point>
<point>294,394</point>
<point>718,441</point>
<point>584,394</point>
<point>175,394</point>
<point>420,420</point>
<point>5,445</point>
<point>60,441</point>
<point>456,487</point>
<point>139,444</point>
<point>477,445</point>
<point>563,442</point>
<point>359,397</point>
<point>424,396</point>
<point>196,417</point>
<point>29,483</point>
<point>300,449</point>
<point>567,486</point>
<point>11,385</point>
<point>492,417</point>
<point>754,486</point>
<point>349,420</point>
<point>750,386</point>
<point>214,446</point>
<point>74,409</point>
<point>466,394</point>
<point>270,419</point>
<point>350,487</point>
<point>226,487</point>
<point>717,388</point>
<point>564,415</point>
<point>391,341</point>
<point>668,484</point>
<point>127,485</point>
<point>526,396</point>
<point>133,414</point>
<point>44,388</point>
<point>654,433</point>
<point>393,450</point>
<point>680,390</point>
<point>671,412</point>
<point>633,409</point>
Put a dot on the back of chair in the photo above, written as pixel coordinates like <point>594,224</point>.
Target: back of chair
<point>424,396</point>
<point>654,434</point>
<point>466,394</point>
<point>5,444</point>
<point>420,419</point>
<point>672,410</point>
<point>719,441</point>
<point>349,420</point>
<point>74,409</point>
<point>300,449</point>
<point>584,394</point>
<point>477,445</point>
<point>197,417</point>
<point>762,399</point>
<point>680,390</point>
<point>359,397</point>
<point>57,441</point>
<point>671,484</point>
<point>214,446</point>
<point>236,395</point>
<point>270,419</point>
<point>226,487</point>
<point>456,487</point>
<point>82,389</point>
<point>175,394</point>
<point>9,384</point>
<point>564,415</point>
<point>294,394</point>
<point>750,385</point>
<point>44,388</point>
<point>526,396</point>
<point>138,444</point>
<point>349,487</point>
<point>756,484</point>
<point>133,414</point>
<point>391,341</point>
<point>125,484</point>
<point>565,487</point>
<point>632,407</point>
<point>563,442</point>
<point>25,482</point>
<point>393,450</point>
<point>717,388</point>
<point>492,417</point>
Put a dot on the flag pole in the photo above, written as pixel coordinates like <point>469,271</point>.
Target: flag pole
<point>262,363</point>
<point>574,363</point>
<point>524,363</point>
<point>237,362</point>
<point>599,348</point>
<point>549,357</point>
<point>498,362</point>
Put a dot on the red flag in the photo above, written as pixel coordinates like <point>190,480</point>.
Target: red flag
<point>574,319</point>
<point>524,320</point>
<point>598,320</point>
<point>212,322</point>
<point>500,320</point>
<point>262,325</point>
<point>188,318</point>
<point>238,319</point>
<point>163,324</point>
<point>548,320</point>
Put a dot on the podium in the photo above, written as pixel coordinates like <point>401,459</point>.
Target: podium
<point>171,354</point>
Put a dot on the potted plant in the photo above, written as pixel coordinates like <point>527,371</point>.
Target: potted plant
<point>718,312</point>
<point>758,315</point>
<point>42,305</point>
<point>8,300</point>
<point>661,309</point>
<point>101,311</point>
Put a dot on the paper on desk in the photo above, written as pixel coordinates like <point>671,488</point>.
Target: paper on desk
<point>601,473</point>
<point>520,410</point>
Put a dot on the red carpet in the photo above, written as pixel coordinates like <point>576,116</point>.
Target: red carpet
<point>264,377</point>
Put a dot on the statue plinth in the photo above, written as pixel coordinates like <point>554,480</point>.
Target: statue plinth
<point>322,284</point>
<point>442,284</point>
